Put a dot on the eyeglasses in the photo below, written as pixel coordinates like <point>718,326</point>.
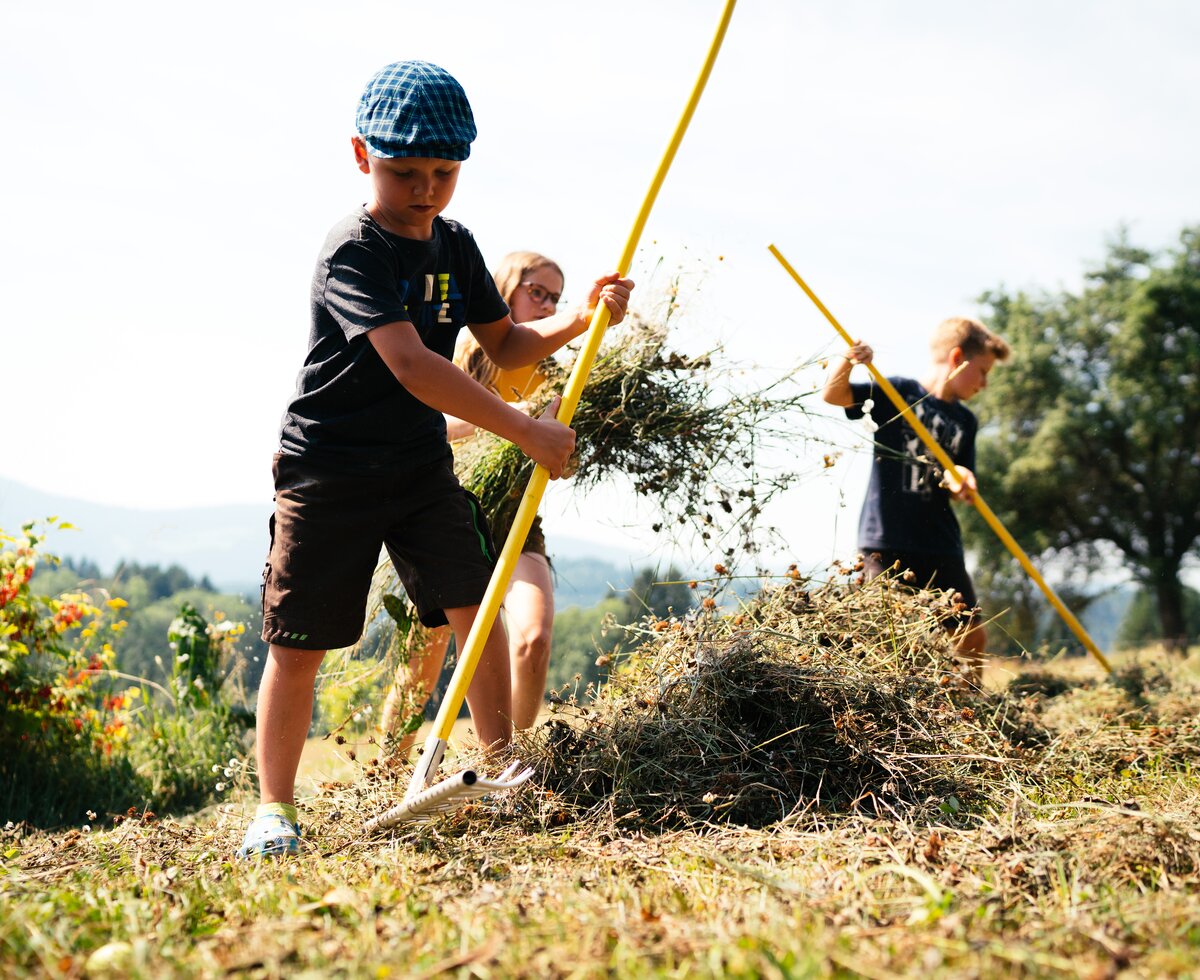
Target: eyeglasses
<point>539,294</point>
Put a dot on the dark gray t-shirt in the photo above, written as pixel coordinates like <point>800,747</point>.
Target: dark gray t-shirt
<point>348,410</point>
<point>906,509</point>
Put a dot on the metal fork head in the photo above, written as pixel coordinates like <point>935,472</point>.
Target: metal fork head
<point>448,795</point>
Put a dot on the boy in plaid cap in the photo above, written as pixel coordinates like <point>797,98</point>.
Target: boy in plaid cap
<point>364,459</point>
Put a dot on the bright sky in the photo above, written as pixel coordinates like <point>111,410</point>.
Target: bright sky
<point>171,170</point>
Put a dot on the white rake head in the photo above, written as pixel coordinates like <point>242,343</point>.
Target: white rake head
<point>421,803</point>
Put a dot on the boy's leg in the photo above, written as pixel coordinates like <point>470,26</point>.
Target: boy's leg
<point>412,687</point>
<point>490,694</point>
<point>285,704</point>
<point>529,614</point>
<point>972,643</point>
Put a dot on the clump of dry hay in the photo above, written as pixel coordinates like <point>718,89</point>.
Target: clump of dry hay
<point>657,418</point>
<point>821,704</point>
<point>828,697</point>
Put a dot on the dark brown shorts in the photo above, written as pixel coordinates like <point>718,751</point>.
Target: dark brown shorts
<point>938,572</point>
<point>326,536</point>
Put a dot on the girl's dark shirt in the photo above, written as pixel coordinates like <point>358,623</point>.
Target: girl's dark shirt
<point>349,412</point>
<point>906,509</point>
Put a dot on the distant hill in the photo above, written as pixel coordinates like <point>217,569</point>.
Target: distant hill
<point>229,544</point>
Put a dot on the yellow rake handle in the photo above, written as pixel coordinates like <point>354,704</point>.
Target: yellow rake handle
<point>948,464</point>
<point>494,596</point>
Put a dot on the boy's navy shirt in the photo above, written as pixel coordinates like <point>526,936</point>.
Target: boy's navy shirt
<point>906,510</point>
<point>349,411</point>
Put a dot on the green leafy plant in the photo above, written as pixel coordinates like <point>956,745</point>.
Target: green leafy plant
<point>78,735</point>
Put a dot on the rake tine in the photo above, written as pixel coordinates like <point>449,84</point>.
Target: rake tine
<point>448,795</point>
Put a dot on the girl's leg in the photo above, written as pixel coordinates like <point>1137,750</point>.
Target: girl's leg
<point>529,615</point>
<point>285,705</point>
<point>412,687</point>
<point>489,695</point>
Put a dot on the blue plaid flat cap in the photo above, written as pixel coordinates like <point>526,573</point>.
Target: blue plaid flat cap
<point>415,109</point>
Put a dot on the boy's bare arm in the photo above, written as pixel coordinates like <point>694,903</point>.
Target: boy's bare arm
<point>964,491</point>
<point>513,345</point>
<point>440,385</point>
<point>837,385</point>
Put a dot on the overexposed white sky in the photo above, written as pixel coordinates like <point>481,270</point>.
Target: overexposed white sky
<point>170,172</point>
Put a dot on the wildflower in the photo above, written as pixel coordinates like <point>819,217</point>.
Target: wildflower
<point>216,767</point>
<point>116,603</point>
<point>233,763</point>
<point>198,683</point>
<point>227,773</point>
<point>220,787</point>
<point>91,814</point>
<point>183,658</point>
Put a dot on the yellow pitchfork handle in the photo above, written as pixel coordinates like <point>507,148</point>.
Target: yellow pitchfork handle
<point>948,464</point>
<point>494,596</point>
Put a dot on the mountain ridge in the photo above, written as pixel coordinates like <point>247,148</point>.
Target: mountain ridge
<point>225,542</point>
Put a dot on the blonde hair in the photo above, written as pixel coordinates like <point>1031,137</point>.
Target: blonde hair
<point>511,272</point>
<point>469,356</point>
<point>969,335</point>
<point>515,266</point>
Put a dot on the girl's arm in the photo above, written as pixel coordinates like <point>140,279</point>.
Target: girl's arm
<point>513,345</point>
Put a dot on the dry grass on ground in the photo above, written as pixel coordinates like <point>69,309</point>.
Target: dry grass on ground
<point>809,787</point>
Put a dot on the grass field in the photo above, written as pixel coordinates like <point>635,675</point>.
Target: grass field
<point>1091,869</point>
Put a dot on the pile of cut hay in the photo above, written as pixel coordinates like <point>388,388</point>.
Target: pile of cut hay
<point>813,698</point>
<point>815,705</point>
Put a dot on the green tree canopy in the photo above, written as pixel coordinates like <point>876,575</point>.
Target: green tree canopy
<point>1141,624</point>
<point>1088,444</point>
<point>656,594</point>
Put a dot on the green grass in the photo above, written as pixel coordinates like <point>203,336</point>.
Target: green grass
<point>1093,873</point>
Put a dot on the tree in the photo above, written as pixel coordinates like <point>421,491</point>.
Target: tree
<point>656,595</point>
<point>1141,624</point>
<point>1088,441</point>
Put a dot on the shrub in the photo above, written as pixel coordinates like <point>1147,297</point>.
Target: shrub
<point>76,736</point>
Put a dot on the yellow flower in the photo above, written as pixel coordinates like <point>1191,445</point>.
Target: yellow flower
<point>116,603</point>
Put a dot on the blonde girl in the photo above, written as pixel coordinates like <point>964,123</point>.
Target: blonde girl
<point>531,284</point>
